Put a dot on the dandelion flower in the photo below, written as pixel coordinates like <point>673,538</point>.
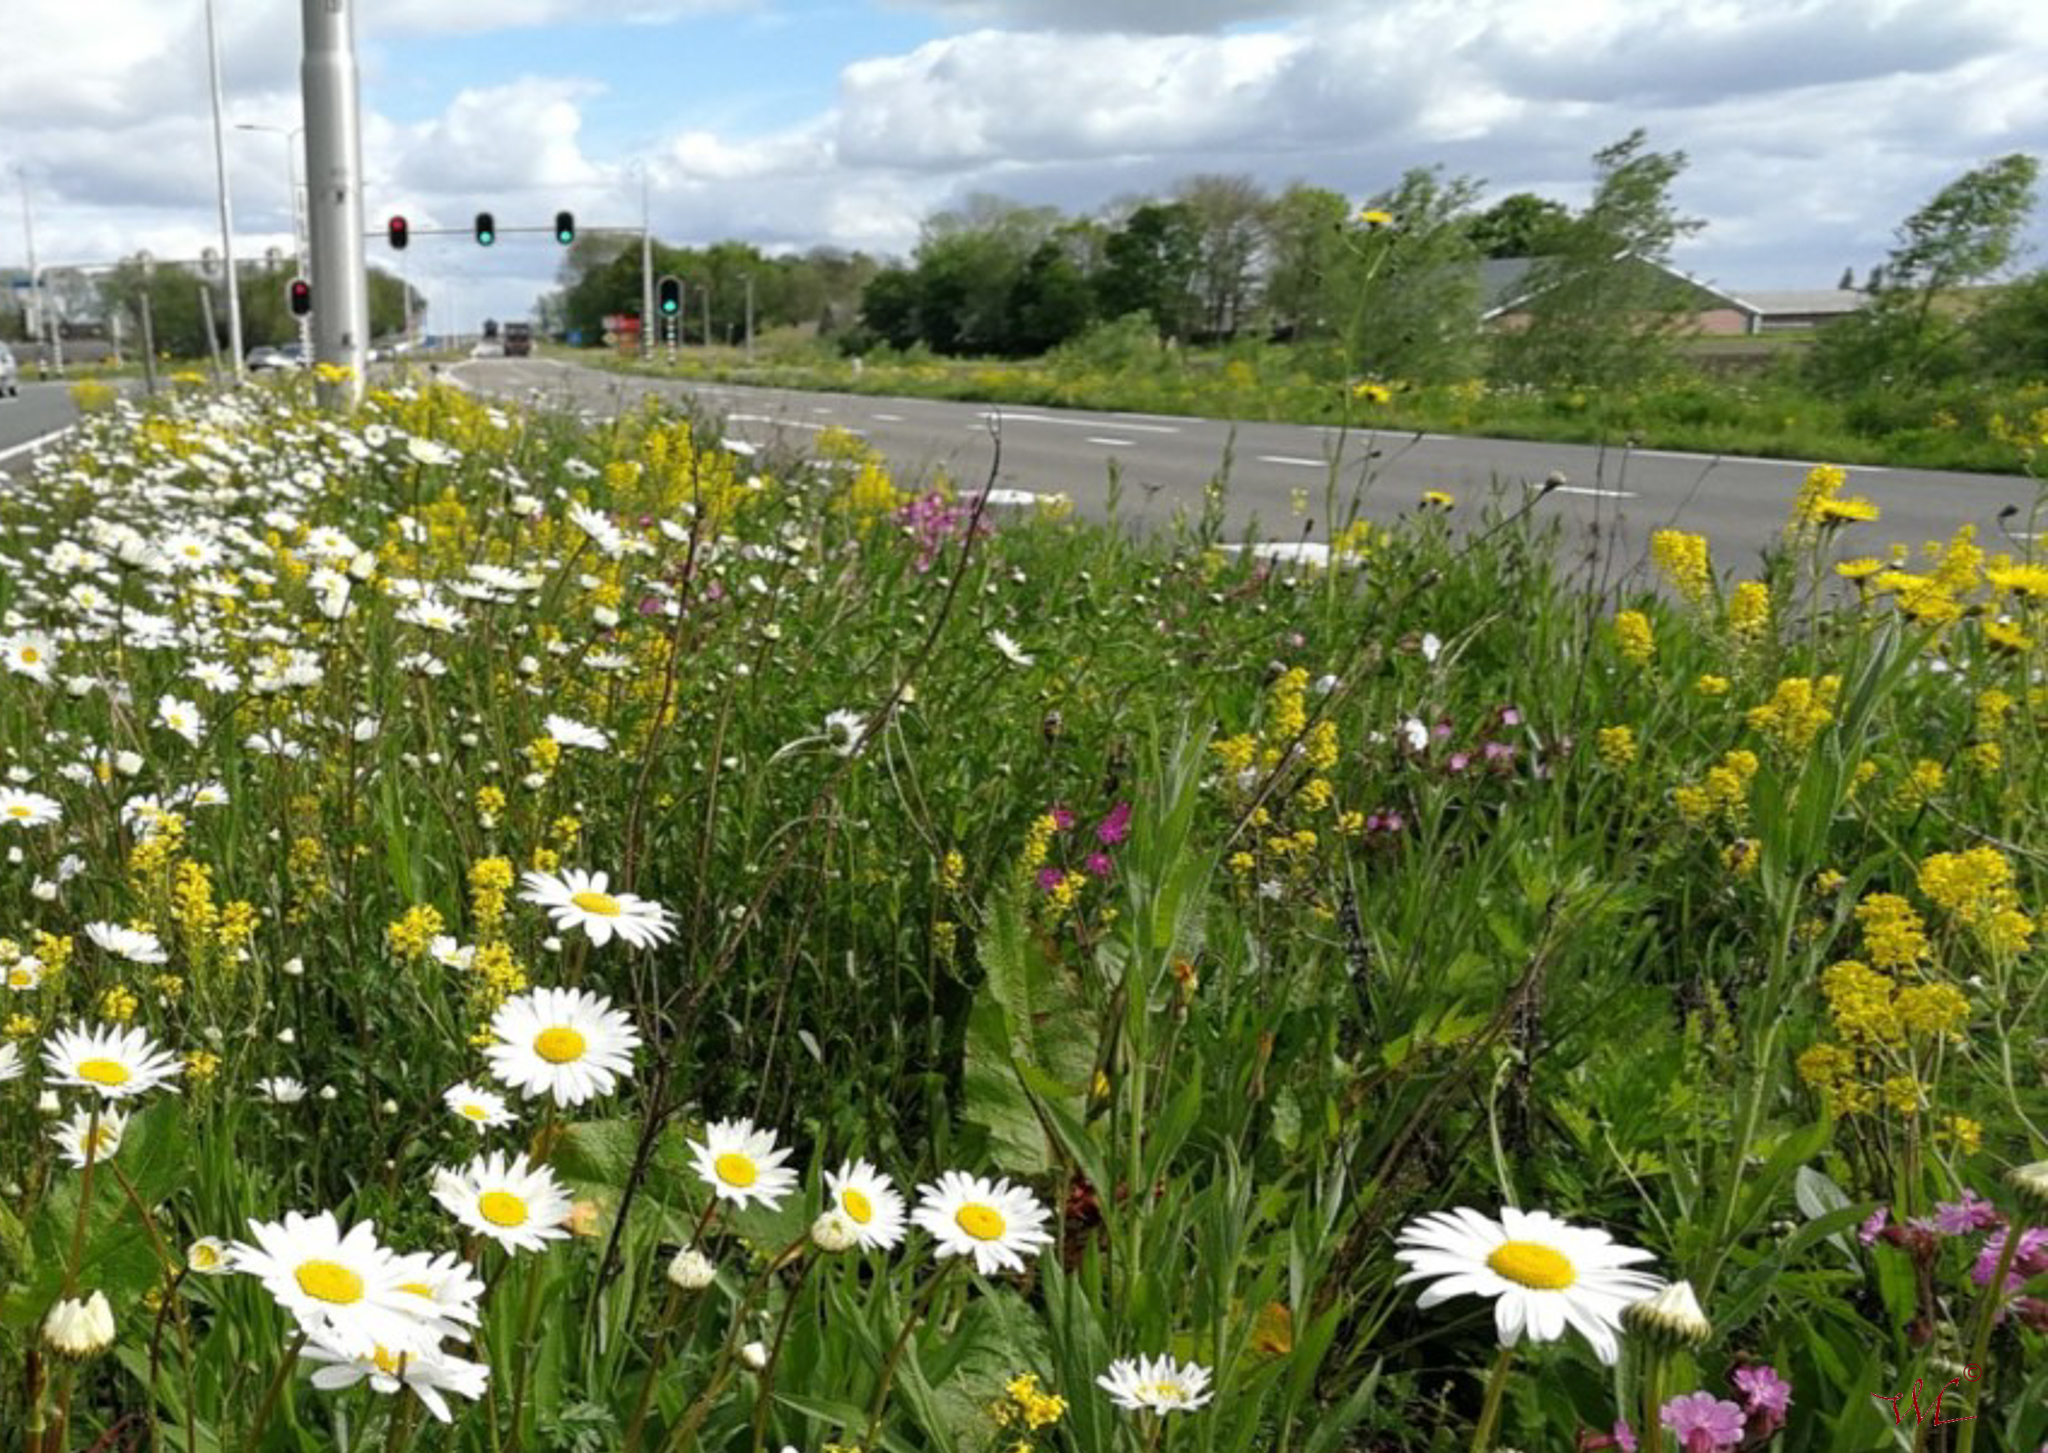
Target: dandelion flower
<point>576,899</point>
<point>1542,1273</point>
<point>341,1286</point>
<point>114,1063</point>
<point>561,1042</point>
<point>867,1198</point>
<point>520,1207</point>
<point>1156,1384</point>
<point>995,1222</point>
<point>741,1164</point>
<point>485,1109</point>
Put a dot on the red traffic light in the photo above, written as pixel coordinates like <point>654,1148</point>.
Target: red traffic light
<point>400,234</point>
<point>302,297</point>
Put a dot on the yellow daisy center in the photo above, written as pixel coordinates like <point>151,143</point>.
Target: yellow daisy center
<point>559,1045</point>
<point>983,1223</point>
<point>475,1112</point>
<point>501,1208</point>
<point>330,1282</point>
<point>19,810</point>
<point>1532,1264</point>
<point>736,1169</point>
<point>418,1289</point>
<point>30,655</point>
<point>602,904</point>
<point>204,1258</point>
<point>386,1362</point>
<point>105,1071</point>
<point>857,1206</point>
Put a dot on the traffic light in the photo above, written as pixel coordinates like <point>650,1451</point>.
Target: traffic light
<point>565,227</point>
<point>302,297</point>
<point>400,234</point>
<point>671,296</point>
<point>486,229</point>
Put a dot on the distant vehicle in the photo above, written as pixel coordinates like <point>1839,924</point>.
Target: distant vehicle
<point>518,339</point>
<point>10,373</point>
<point>264,357</point>
<point>488,348</point>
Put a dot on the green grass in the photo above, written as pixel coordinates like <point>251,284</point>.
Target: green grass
<point>1398,919</point>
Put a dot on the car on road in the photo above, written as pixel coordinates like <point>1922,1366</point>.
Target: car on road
<point>10,373</point>
<point>488,348</point>
<point>263,358</point>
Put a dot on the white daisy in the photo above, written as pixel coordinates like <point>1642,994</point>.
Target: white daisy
<point>1543,1274</point>
<point>1156,1384</point>
<point>23,974</point>
<point>89,1136</point>
<point>485,1109</point>
<point>843,730</point>
<point>29,809</point>
<point>741,1163</point>
<point>131,944</point>
<point>1010,649</point>
<point>281,1090</point>
<point>344,1287</point>
<point>29,654</point>
<point>867,1198</point>
<point>181,717</point>
<point>10,1062</point>
<point>561,1042</point>
<point>444,1290</point>
<point>522,1208</point>
<point>570,733</point>
<point>576,899</point>
<point>996,1222</point>
<point>114,1063</point>
<point>208,1256</point>
<point>430,1374</point>
<point>432,615</point>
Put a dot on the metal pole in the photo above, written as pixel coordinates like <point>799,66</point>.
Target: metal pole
<point>212,337</point>
<point>646,274</point>
<point>220,171</point>
<point>334,195</point>
<point>148,342</point>
<point>707,317</point>
<point>34,320</point>
<point>750,317</point>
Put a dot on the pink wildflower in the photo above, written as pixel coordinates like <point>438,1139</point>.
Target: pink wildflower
<point>1702,1422</point>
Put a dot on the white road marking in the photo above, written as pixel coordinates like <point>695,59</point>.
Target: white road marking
<point>38,442</point>
<point>1013,497</point>
<point>888,418</point>
<point>1292,459</point>
<point>789,423</point>
<point>1113,443</point>
<point>1010,418</point>
<point>1591,492</point>
<point>820,409</point>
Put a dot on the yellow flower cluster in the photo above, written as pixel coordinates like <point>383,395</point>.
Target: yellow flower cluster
<point>1975,889</point>
<point>1797,711</point>
<point>1820,504</point>
<point>1749,609</point>
<point>1893,934</point>
<point>412,934</point>
<point>1712,685</point>
<point>490,805</point>
<point>490,879</point>
<point>1037,843</point>
<point>952,871</point>
<point>1683,560</point>
<point>1724,792</point>
<point>1634,638</point>
<point>1616,746</point>
<point>119,1005</point>
<point>1025,1405</point>
<point>1860,1003</point>
<point>1920,786</point>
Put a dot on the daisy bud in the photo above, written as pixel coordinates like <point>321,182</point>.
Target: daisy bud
<point>47,1103</point>
<point>832,1231</point>
<point>43,890</point>
<point>692,1270</point>
<point>2031,1181</point>
<point>294,967</point>
<point>127,763</point>
<point>80,1328</point>
<point>208,1256</point>
<point>1671,1317</point>
<point>755,1355</point>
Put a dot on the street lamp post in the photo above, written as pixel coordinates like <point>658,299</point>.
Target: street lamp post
<point>297,199</point>
<point>220,170</point>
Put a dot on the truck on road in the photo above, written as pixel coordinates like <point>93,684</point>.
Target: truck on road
<point>518,340</point>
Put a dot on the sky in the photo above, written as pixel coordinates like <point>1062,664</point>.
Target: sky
<point>1811,127</point>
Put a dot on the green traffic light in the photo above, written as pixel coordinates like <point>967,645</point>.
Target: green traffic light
<point>486,229</point>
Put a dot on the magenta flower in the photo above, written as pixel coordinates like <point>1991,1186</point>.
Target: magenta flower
<point>1971,1213</point>
<point>1624,1436</point>
<point>1062,818</point>
<point>1510,716</point>
<point>1702,1422</point>
<point>1098,865</point>
<point>1874,1226</point>
<point>1049,879</point>
<point>1762,1388</point>
<point>2028,1262</point>
<point>1116,827</point>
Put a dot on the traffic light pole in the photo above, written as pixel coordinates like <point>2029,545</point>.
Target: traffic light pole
<point>334,196</point>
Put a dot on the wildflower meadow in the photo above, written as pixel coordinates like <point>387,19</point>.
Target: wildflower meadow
<point>528,934</point>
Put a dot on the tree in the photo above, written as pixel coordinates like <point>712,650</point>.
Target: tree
<point>888,306</point>
<point>1411,288</point>
<point>1521,224</point>
<point>2009,334</point>
<point>1914,331</point>
<point>1601,309</point>
<point>1051,301</point>
<point>1229,218</point>
<point>1150,266</point>
<point>1304,231</point>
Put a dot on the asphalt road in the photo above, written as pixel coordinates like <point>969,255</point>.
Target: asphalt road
<point>42,410</point>
<point>1279,475</point>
